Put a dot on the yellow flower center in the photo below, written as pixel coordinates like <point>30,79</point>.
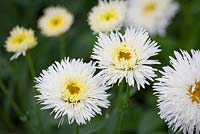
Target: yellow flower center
<point>18,39</point>
<point>55,22</point>
<point>108,15</point>
<point>73,90</point>
<point>149,8</point>
<point>194,92</point>
<point>124,57</point>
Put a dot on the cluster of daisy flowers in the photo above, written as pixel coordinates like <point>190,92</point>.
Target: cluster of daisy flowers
<point>75,91</point>
<point>55,22</point>
<point>153,15</point>
<point>71,88</point>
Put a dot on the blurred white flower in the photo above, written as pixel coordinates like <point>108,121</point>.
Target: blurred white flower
<point>19,41</point>
<point>55,21</point>
<point>126,56</point>
<point>107,16</point>
<point>154,15</point>
<point>71,89</point>
<point>178,92</point>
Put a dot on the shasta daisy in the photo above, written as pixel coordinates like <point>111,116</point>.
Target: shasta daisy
<point>72,90</point>
<point>178,92</point>
<point>126,56</point>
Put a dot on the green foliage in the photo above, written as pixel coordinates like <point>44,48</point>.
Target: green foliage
<point>141,117</point>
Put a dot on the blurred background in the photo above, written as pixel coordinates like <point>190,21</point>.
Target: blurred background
<point>141,117</point>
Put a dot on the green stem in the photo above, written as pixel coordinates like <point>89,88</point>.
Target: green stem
<point>30,65</point>
<point>120,106</point>
<point>14,105</point>
<point>37,110</point>
<point>120,99</point>
<point>77,129</point>
<point>121,114</point>
<point>127,95</point>
<point>12,102</point>
<point>62,46</point>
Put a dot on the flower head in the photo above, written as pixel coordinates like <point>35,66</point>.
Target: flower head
<point>107,16</point>
<point>19,41</point>
<point>126,56</point>
<point>55,21</point>
<point>178,92</point>
<point>71,89</point>
<point>154,15</point>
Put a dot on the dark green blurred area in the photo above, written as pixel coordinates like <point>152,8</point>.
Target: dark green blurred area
<point>141,117</point>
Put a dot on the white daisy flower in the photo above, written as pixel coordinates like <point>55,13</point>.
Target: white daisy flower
<point>126,56</point>
<point>19,41</point>
<point>178,92</point>
<point>154,15</point>
<point>107,16</point>
<point>71,89</point>
<point>55,21</point>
